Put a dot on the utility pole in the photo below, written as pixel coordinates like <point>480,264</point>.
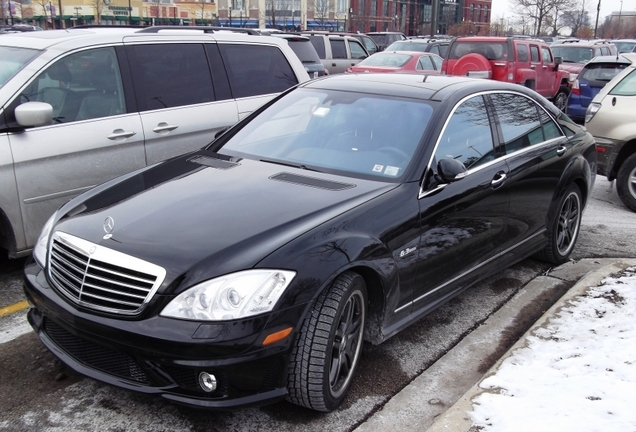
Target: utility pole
<point>598,11</point>
<point>434,13</point>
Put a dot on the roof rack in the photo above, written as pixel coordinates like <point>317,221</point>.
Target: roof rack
<point>204,29</point>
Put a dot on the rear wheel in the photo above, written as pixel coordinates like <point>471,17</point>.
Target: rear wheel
<point>327,349</point>
<point>561,99</point>
<point>626,182</point>
<point>564,229</point>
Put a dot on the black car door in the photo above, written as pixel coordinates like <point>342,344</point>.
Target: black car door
<point>537,154</point>
<point>463,222</point>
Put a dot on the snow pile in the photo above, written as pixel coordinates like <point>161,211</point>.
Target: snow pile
<point>576,374</point>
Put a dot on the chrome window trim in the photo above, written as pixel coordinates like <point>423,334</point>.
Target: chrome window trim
<point>110,256</point>
<point>423,193</point>
<point>472,269</point>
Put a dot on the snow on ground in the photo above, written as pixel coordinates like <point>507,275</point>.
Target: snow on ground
<point>578,373</point>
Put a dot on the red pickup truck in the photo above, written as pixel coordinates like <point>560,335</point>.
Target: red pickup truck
<point>527,62</point>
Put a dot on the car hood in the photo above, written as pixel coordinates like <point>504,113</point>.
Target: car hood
<point>222,214</point>
<point>574,68</point>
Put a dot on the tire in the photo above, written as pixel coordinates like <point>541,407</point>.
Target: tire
<point>561,99</point>
<point>563,231</point>
<point>321,366</point>
<point>626,182</point>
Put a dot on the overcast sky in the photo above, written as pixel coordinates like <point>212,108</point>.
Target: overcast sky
<point>502,8</point>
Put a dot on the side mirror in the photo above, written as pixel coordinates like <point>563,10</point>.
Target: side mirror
<point>450,170</point>
<point>30,114</point>
<point>558,60</point>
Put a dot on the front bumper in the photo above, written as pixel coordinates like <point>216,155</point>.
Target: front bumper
<point>165,356</point>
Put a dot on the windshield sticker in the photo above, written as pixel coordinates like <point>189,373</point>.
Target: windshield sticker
<point>391,171</point>
<point>378,168</point>
<point>321,111</point>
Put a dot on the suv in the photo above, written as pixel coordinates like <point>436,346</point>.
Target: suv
<point>81,106</point>
<point>526,62</point>
<point>435,46</point>
<point>306,53</point>
<point>384,39</point>
<point>337,53</point>
<point>610,119</point>
<point>576,53</point>
<point>625,45</point>
<point>592,78</point>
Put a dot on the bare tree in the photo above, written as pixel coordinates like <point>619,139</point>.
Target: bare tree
<point>98,7</point>
<point>577,18</point>
<point>321,10</point>
<point>540,10</point>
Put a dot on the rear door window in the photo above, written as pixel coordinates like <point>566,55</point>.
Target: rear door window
<point>170,75</point>
<point>256,69</point>
<point>319,44</point>
<point>338,48</point>
<point>522,52</point>
<point>519,121</point>
<point>534,54</point>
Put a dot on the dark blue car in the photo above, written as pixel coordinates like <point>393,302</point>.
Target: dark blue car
<point>592,78</point>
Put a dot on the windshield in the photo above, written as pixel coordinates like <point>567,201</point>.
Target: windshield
<point>572,54</point>
<point>386,59</point>
<point>13,60</point>
<point>361,135</point>
<point>407,46</point>
<point>625,47</point>
<point>601,71</point>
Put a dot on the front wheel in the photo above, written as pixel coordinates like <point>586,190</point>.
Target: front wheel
<point>563,231</point>
<point>327,348</point>
<point>561,99</point>
<point>626,182</point>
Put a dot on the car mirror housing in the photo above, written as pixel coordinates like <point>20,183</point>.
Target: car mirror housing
<point>31,114</point>
<point>450,170</point>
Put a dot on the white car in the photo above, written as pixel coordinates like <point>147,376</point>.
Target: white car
<point>81,106</point>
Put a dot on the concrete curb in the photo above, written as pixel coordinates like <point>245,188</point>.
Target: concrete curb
<point>456,418</point>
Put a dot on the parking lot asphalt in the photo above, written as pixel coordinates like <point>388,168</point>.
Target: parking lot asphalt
<point>439,399</point>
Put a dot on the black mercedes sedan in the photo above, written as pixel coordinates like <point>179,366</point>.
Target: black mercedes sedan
<point>343,211</point>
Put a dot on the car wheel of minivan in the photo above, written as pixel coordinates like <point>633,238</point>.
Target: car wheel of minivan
<point>327,349</point>
<point>561,99</point>
<point>563,230</point>
<point>626,182</point>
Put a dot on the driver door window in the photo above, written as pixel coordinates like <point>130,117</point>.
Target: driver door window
<point>81,86</point>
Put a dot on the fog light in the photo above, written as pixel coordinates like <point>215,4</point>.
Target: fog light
<point>207,382</point>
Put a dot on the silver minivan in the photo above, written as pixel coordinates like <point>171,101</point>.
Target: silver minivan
<point>81,106</point>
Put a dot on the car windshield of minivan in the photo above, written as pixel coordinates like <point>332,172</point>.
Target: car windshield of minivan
<point>13,60</point>
<point>357,134</point>
<point>572,54</point>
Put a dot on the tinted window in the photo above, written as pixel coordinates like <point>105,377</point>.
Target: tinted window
<point>304,50</point>
<point>256,69</point>
<point>338,49</point>
<point>357,52</point>
<point>519,121</point>
<point>627,86</point>
<point>534,53</point>
<point>601,71</point>
<point>170,75</point>
<point>80,86</point>
<point>435,50</point>
<point>319,44</point>
<point>522,52</point>
<point>550,128</point>
<point>443,49</point>
<point>467,137</point>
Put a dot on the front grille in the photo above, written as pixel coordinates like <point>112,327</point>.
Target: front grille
<point>99,278</point>
<point>95,356</point>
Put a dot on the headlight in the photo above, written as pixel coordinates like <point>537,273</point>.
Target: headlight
<point>591,111</point>
<point>237,295</point>
<point>40,250</point>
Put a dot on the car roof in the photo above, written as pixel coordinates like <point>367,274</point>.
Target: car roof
<point>426,87</point>
<point>619,59</point>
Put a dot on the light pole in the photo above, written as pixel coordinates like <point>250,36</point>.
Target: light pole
<point>229,11</point>
<point>77,14</point>
<point>620,12</point>
<point>598,10</point>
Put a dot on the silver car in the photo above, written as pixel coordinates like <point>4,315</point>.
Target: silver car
<point>81,106</point>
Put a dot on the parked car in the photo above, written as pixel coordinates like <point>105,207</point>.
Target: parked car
<point>576,54</point>
<point>344,210</point>
<point>435,46</point>
<point>625,45</point>
<point>82,106</point>
<point>306,53</point>
<point>337,53</point>
<point>400,61</point>
<point>384,39</point>
<point>368,43</point>
<point>592,78</point>
<point>611,120</point>
<point>527,62</point>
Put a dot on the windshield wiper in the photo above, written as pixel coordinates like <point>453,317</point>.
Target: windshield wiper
<point>301,166</point>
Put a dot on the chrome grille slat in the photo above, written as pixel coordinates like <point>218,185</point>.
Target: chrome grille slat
<point>100,278</point>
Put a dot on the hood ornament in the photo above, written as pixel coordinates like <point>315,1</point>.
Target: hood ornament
<point>109,225</point>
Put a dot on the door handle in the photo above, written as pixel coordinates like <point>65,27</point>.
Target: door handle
<point>164,127</point>
<point>120,133</point>
<point>561,150</point>
<point>498,179</point>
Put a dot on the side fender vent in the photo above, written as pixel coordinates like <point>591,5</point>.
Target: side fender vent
<point>311,182</point>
